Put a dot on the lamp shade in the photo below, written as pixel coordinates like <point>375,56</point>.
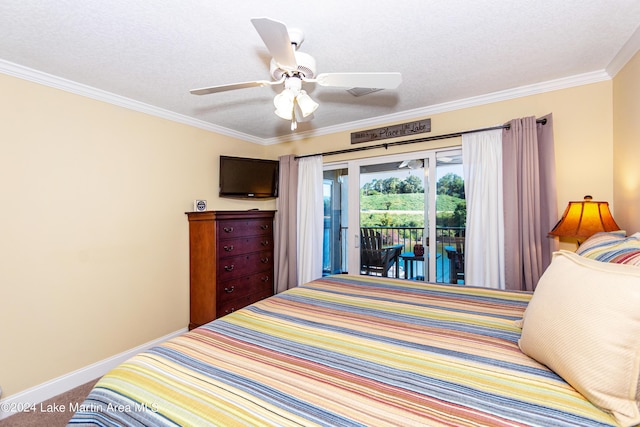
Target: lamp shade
<point>306,104</point>
<point>284,104</point>
<point>583,219</point>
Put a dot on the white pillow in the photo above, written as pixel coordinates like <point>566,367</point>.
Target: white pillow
<point>583,322</point>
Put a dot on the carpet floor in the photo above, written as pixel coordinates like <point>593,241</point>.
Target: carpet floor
<point>57,410</point>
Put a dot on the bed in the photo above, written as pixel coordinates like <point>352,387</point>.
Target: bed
<point>347,351</point>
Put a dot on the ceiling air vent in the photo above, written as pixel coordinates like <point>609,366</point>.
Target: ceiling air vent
<point>359,91</point>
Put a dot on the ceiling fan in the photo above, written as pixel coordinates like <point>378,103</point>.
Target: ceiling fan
<point>411,164</point>
<point>291,69</point>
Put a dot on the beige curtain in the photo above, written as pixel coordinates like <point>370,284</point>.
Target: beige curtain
<point>285,230</point>
<point>529,200</point>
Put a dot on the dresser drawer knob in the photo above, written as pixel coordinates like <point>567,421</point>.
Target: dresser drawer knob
<point>229,267</point>
<point>264,260</point>
<point>265,278</point>
<point>228,229</point>
<point>265,243</point>
<point>265,226</point>
<point>228,248</point>
<point>229,290</point>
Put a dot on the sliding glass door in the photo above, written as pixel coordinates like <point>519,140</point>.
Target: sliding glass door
<point>397,216</point>
<point>450,217</point>
<point>393,202</point>
<point>335,191</point>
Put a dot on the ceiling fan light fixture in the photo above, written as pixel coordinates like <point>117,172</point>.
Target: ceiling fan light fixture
<point>294,115</point>
<point>415,164</point>
<point>284,113</point>
<point>284,104</point>
<point>305,104</point>
<point>293,103</point>
<point>293,85</point>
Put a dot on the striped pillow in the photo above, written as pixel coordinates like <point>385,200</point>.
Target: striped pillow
<point>612,247</point>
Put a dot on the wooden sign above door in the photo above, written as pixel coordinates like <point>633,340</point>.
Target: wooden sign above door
<point>395,131</point>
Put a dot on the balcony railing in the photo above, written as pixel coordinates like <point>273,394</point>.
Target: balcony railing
<point>408,237</point>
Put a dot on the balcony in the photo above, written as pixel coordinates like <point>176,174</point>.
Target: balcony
<point>448,252</point>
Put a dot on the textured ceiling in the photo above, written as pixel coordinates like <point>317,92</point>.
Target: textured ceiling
<point>149,54</point>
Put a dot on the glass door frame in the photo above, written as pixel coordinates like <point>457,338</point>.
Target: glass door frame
<point>354,202</point>
<point>332,167</point>
<point>429,181</point>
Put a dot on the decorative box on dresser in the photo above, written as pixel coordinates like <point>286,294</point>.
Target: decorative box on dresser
<point>231,261</point>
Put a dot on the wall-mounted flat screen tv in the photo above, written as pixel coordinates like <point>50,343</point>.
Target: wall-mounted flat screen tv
<point>242,177</point>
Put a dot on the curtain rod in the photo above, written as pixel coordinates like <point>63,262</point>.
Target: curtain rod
<point>410,141</point>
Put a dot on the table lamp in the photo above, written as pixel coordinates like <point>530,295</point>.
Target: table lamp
<point>583,219</point>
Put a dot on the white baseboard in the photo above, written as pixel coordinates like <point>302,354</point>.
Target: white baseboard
<point>49,389</point>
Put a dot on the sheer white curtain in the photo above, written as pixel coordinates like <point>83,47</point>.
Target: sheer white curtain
<point>310,218</point>
<point>484,242</point>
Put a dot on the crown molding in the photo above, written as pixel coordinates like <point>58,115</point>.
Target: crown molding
<point>624,55</point>
<point>533,89</point>
<point>50,80</point>
<point>581,79</point>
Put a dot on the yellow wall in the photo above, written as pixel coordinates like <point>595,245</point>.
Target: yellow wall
<point>94,253</point>
<point>93,236</point>
<point>626,148</point>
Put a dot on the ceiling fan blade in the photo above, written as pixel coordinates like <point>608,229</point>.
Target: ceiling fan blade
<point>368,80</point>
<point>275,36</point>
<point>234,86</point>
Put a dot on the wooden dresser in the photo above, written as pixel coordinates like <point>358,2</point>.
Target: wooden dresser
<point>231,261</point>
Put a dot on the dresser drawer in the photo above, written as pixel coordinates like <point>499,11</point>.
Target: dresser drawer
<point>233,267</point>
<point>244,286</point>
<point>244,245</point>
<point>238,228</point>
<point>236,304</point>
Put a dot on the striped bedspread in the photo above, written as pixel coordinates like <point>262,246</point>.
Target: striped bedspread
<point>346,351</point>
